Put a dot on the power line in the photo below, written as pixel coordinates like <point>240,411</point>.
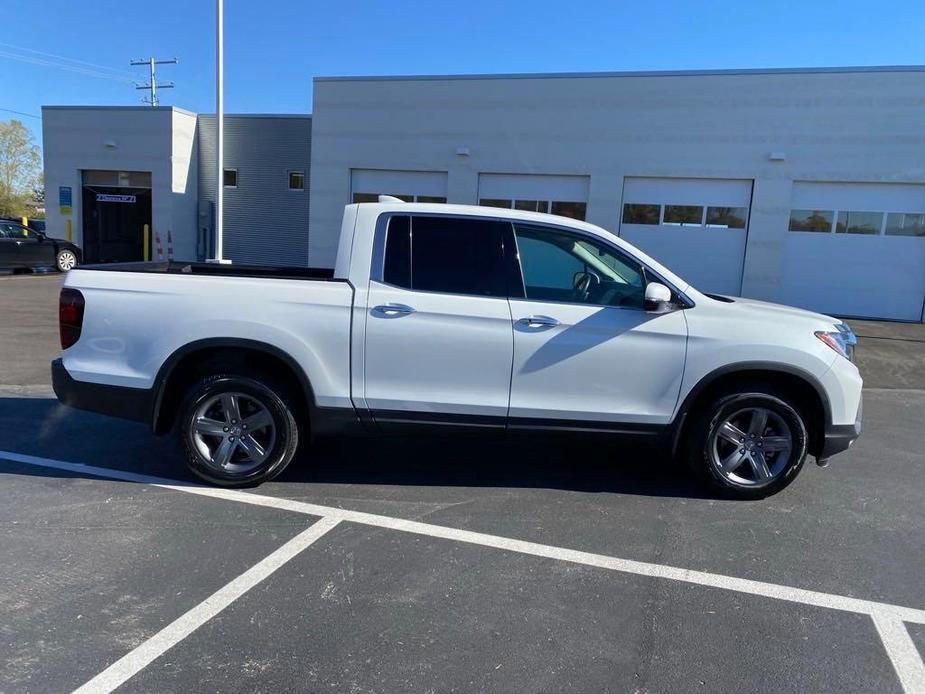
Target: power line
<point>97,66</point>
<point>34,60</point>
<point>21,113</point>
<point>152,86</point>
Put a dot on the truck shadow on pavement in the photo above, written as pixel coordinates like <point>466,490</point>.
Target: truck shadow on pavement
<point>44,428</point>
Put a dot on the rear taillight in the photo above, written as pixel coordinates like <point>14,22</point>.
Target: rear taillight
<point>70,316</point>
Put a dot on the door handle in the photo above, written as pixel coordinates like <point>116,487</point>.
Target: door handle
<point>538,322</point>
<point>393,309</point>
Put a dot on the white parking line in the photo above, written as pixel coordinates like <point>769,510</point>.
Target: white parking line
<point>902,651</point>
<point>142,656</point>
<point>903,654</point>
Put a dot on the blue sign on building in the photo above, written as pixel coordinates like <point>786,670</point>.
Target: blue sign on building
<point>64,199</point>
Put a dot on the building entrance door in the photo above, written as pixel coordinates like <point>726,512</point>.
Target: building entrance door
<point>113,223</point>
<point>116,206</point>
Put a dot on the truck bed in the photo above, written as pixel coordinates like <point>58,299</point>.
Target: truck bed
<point>175,267</point>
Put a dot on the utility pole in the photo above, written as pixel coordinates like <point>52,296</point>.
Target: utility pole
<point>152,86</point>
<point>219,135</point>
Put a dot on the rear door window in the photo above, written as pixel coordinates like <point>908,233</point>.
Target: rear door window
<point>451,255</point>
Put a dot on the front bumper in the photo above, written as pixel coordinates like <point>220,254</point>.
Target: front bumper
<point>116,401</point>
<point>839,437</point>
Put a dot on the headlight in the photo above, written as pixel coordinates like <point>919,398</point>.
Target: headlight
<point>842,340</point>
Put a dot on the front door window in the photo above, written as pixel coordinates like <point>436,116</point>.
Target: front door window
<point>560,266</point>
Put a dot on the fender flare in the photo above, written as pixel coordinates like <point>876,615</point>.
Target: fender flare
<point>677,424</point>
<point>167,368</point>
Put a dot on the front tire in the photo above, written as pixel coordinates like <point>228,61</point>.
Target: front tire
<point>237,431</point>
<point>748,444</point>
<point>65,260</point>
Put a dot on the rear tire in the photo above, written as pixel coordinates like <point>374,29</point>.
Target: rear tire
<point>748,443</point>
<point>237,431</point>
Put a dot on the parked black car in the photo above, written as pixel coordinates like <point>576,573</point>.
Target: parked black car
<point>25,248</point>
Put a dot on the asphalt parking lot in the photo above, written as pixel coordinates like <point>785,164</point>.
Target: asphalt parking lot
<point>423,565</point>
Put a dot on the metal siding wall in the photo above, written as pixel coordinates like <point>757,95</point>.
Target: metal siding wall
<point>265,222</point>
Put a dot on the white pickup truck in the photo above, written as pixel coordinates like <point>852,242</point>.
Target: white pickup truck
<point>450,316</point>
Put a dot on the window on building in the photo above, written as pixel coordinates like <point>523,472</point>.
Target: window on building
<point>811,220</point>
<point>374,197</point>
<point>868,223</point>
<point>495,202</point>
<point>684,215</point>
<point>230,178</point>
<point>905,224</point>
<point>726,217</point>
<point>296,180</point>
<point>532,205</point>
<point>574,210</point>
<point>636,213</point>
<point>561,266</point>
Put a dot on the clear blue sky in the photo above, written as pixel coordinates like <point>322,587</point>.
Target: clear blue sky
<point>274,48</point>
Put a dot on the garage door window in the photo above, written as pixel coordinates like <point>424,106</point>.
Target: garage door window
<point>811,220</point>
<point>573,210</point>
<point>859,223</point>
<point>905,224</point>
<point>374,197</point>
<point>726,217</point>
<point>531,205</point>
<point>684,215</point>
<point>642,214</point>
<point>862,223</point>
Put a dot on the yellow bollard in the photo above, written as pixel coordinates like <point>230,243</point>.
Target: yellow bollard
<point>24,221</point>
<point>147,243</point>
<point>67,229</point>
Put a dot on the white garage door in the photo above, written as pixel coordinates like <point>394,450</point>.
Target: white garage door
<point>856,249</point>
<point>695,226</point>
<point>366,185</point>
<point>566,196</point>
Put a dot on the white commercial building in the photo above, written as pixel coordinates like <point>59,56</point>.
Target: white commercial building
<point>109,171</point>
<point>800,186</point>
<point>804,187</point>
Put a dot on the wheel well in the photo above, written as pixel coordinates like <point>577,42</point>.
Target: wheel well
<point>804,395</point>
<point>207,360</point>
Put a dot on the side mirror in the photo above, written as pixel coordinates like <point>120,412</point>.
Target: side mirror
<point>658,297</point>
